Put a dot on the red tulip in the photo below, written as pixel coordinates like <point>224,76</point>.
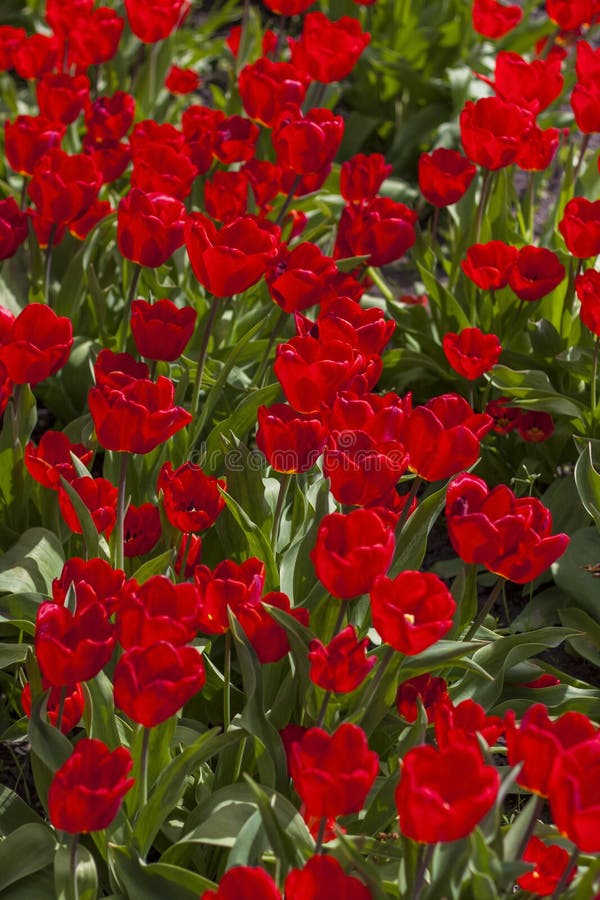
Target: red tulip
<point>342,665</point>
<point>322,877</point>
<point>412,611</point>
<point>268,638</point>
<point>575,796</point>
<point>587,287</point>
<point>580,227</point>
<point>471,352</point>
<point>69,698</point>
<point>63,187</point>
<point>380,229</point>
<point>142,529</point>
<point>39,345</point>
<point>154,20</point>
<point>291,441</point>
<point>62,97</point>
<point>29,138</point>
<point>14,228</point>
<point>149,227</point>
<point>327,50</point>
<point>430,691</point>
<point>244,883</point>
<point>161,330</point>
<point>157,610</point>
<point>361,176</point>
<point>489,265</point>
<point>535,272</point>
<point>93,580</point>
<point>51,459</point>
<point>191,500</point>
<point>72,647</point>
<point>444,176</point>
<point>266,87</point>
<point>182,81</point>
<point>550,862</point>
<point>99,496</point>
<point>229,586</point>
<point>491,131</point>
<point>493,20</point>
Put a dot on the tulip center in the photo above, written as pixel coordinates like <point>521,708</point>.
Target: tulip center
<point>409,618</point>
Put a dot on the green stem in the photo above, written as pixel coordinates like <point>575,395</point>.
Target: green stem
<point>73,866</point>
<point>483,199</point>
<point>288,200</point>
<point>212,315</point>
<point>48,270</point>
<point>572,863</point>
<point>323,710</point>
<point>584,145</point>
<point>595,376</point>
<point>144,767</point>
<point>227,689</point>
<point>283,489</point>
<point>154,50</point>
<point>425,855</point>
<point>320,836</point>
<point>386,658</point>
<point>377,279</point>
<point>119,548</point>
<point>279,322</point>
<point>487,606</point>
<point>124,326</point>
<point>408,503</point>
<point>433,226</point>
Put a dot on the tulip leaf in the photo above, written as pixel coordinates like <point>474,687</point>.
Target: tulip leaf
<point>452,311</point>
<point>90,532</point>
<point>574,570</point>
<point>241,420</point>
<point>258,544</point>
<point>32,563</point>
<point>412,542</point>
<point>534,390</point>
<point>24,851</point>
<point>14,812</point>
<point>99,711</point>
<point>47,742</point>
<point>587,479</point>
<point>86,874</point>
<point>170,786</point>
<point>155,881</point>
<point>587,643</point>
<point>158,565</point>
<point>283,846</point>
<point>11,654</point>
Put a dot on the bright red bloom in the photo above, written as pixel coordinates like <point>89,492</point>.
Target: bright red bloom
<point>226,195</point>
<point>534,426</point>
<point>361,176</point>
<point>83,224</point>
<point>265,180</point>
<point>351,551</point>
<point>10,40</point>
<point>266,87</point>
<point>142,529</point>
<point>550,862</point>
<point>161,169</point>
<point>299,278</point>
<point>291,441</point>
<point>412,611</point>
<point>535,272</point>
<point>587,63</point>
<point>191,500</point>
<point>149,132</point>
<point>93,580</point>
<point>199,125</point>
<point>471,352</point>
<point>149,227</point>
<point>491,131</point>
<point>326,50</point>
<point>539,742</point>
<point>36,55</point>
<point>333,773</point>
<point>94,38</point>
<point>362,470</point>
<point>231,260</point>
<point>244,883</point>
<point>489,265</point>
<point>157,610</point>
<point>343,664</point>
<point>137,417</point>
<point>110,118</point>
<point>380,415</point>
<point>14,227</point>
<point>63,187</point>
<point>87,791</point>
<point>29,138</point>
<point>505,417</point>
<point>580,227</point>
<point>234,139</point>
<point>366,329</point>
<point>39,345</point>
<point>511,536</point>
<point>569,15</point>
<point>531,85</point>
<point>51,459</point>
<point>587,287</point>
<point>115,370</point>
<point>312,372</point>
<point>268,638</point>
<point>380,229</point>
<point>100,497</point>
<point>575,794</point>
<point>288,7</point>
<point>444,176</point>
<point>493,19</point>
<point>152,683</point>
<point>229,586</point>
<point>323,877</point>
<point>538,147</point>
<point>429,690</point>
<point>72,647</point>
<point>182,81</point>
<point>463,722</point>
<point>161,330</point>
<point>585,102</point>
<point>73,704</point>
<point>443,436</point>
<point>154,20</point>
<point>434,806</point>
<point>111,158</point>
<point>307,144</point>
<point>62,97</point>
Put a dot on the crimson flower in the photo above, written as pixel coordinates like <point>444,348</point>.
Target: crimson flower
<point>327,50</point>
<point>323,876</point>
<point>491,131</point>
<point>149,227</point>
<point>550,862</point>
<point>244,883</point>
<point>72,647</point>
<point>191,500</point>
<point>342,665</point>
<point>161,330</point>
<point>493,19</point>
<point>412,611</point>
<point>38,346</point>
<point>444,176</point>
<point>471,352</point>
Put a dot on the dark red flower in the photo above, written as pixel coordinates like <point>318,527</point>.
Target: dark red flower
<point>351,551</point>
<point>63,187</point>
<point>182,81</point>
<point>244,883</point>
<point>288,7</point>
<point>142,529</point>
<point>161,169</point>
<point>342,665</point>
<point>229,586</point>
<point>333,773</point>
<point>327,50</point>
<point>493,20</point>
<point>569,15</point>
<point>511,536</point>
<point>361,176</point>
<point>87,791</point>
<point>154,20</point>
<point>14,227</point>
<point>199,125</point>
<point>51,459</point>
<point>93,580</point>
<point>489,265</point>
<point>550,862</point>
<point>443,436</point>
<point>188,555</point>
<point>380,229</point>
<point>587,287</point>
<point>307,144</point>
<point>299,278</point>
<point>39,345</point>
<point>535,272</point>
<point>29,138</point>
<point>82,225</point>
<point>111,158</point>
<point>71,701</point>
<point>534,426</point>
<point>110,118</point>
<point>361,469</point>
<point>434,805</point>
<point>10,40</point>
<point>575,794</point>
<point>471,352</point>
<point>322,877</point>
<point>149,227</point>
<point>94,38</point>
<point>191,500</point>
<point>100,497</point>
<point>231,260</point>
<point>580,227</point>
<point>268,638</point>
<point>152,683</point>
<point>464,722</point>
<point>72,647</point>
<point>226,195</point>
<point>291,441</point>
<point>538,148</point>
<point>62,97</point>
<point>444,176</point>
<point>157,610</point>
<point>137,417</point>
<point>412,611</point>
<point>505,417</point>
<point>266,87</point>
<point>115,370</point>
<point>427,689</point>
<point>531,85</point>
<point>35,55</point>
<point>343,319</point>
<point>491,131</point>
<point>161,330</point>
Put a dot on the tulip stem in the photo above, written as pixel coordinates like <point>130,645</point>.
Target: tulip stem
<point>425,855</point>
<point>210,321</point>
<point>283,490</point>
<point>571,864</point>
<point>137,271</point>
<point>320,835</point>
<point>144,767</point>
<point>48,271</point>
<point>385,660</point>
<point>408,503</point>
<point>595,376</point>
<point>273,337</point>
<point>119,549</point>
<point>483,199</point>
<point>227,690</point>
<point>73,865</point>
<point>323,710</point>
<point>434,223</point>
<point>584,145</point>
<point>288,200</point>
<point>378,280</point>
<point>487,606</point>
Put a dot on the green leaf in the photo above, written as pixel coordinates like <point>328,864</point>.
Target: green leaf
<point>286,851</point>
<point>155,881</point>
<point>25,851</point>
<point>587,480</point>
<point>32,563</point>
<point>156,566</point>
<point>89,530</point>
<point>241,420</point>
<point>47,742</point>
<point>258,543</point>
<point>14,812</point>
<point>412,542</point>
<point>572,575</point>
<point>534,390</point>
<point>99,711</point>
<point>11,654</point>
<point>86,874</point>
<point>21,610</point>
<point>587,644</point>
